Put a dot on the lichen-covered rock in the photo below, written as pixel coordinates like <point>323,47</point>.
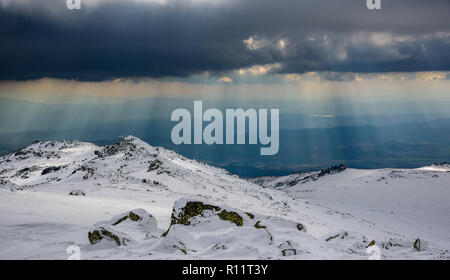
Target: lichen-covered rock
<point>340,235</point>
<point>185,210</point>
<point>332,170</point>
<point>127,227</point>
<point>190,210</point>
<point>250,215</point>
<point>371,244</point>
<point>100,233</point>
<point>202,227</point>
<point>26,172</point>
<point>194,215</point>
<point>288,249</point>
<point>89,171</point>
<point>154,165</point>
<point>137,217</point>
<point>124,145</point>
<point>259,226</point>
<point>232,217</point>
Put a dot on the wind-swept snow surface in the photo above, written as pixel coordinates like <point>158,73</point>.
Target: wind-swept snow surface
<point>134,201</point>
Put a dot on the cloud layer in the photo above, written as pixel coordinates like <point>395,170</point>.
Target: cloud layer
<point>158,38</point>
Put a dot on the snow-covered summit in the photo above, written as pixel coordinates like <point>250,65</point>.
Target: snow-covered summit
<point>54,194</point>
<point>443,167</point>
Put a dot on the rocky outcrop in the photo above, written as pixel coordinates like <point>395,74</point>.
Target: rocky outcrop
<point>51,169</point>
<point>77,193</point>
<point>6,184</point>
<point>134,225</point>
<point>100,233</point>
<point>214,224</point>
<point>417,245</point>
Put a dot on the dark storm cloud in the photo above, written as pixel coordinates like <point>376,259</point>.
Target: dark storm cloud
<point>136,39</point>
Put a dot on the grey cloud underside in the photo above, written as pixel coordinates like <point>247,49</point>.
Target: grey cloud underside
<point>123,39</point>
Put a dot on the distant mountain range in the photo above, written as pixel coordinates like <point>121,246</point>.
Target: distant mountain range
<point>307,143</point>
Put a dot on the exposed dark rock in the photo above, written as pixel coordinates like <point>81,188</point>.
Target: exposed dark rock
<point>301,227</point>
<point>77,193</point>
<point>89,171</point>
<point>138,220</point>
<point>132,216</point>
<point>341,235</point>
<point>232,217</point>
<point>259,226</point>
<point>9,185</point>
<point>50,169</point>
<point>122,146</point>
<point>371,244</point>
<point>23,173</point>
<point>301,177</point>
<point>196,208</point>
<point>287,249</point>
<point>332,237</point>
<point>289,252</point>
<point>21,153</point>
<point>101,233</point>
<point>192,209</point>
<point>154,165</point>
<point>159,172</point>
<point>417,245</point>
<point>250,215</point>
<point>219,247</point>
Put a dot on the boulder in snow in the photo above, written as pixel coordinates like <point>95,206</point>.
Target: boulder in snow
<point>134,225</point>
<point>77,193</point>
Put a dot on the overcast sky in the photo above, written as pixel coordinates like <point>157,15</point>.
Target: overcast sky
<point>107,40</point>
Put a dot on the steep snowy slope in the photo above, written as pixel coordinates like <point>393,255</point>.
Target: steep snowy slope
<point>104,199</point>
<point>407,202</point>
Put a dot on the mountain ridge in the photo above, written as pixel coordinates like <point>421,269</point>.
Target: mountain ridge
<point>57,191</point>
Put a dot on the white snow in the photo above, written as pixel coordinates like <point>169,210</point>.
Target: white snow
<point>342,211</point>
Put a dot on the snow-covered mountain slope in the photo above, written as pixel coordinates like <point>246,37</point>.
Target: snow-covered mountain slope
<point>160,205</point>
<point>406,202</point>
<point>444,166</point>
